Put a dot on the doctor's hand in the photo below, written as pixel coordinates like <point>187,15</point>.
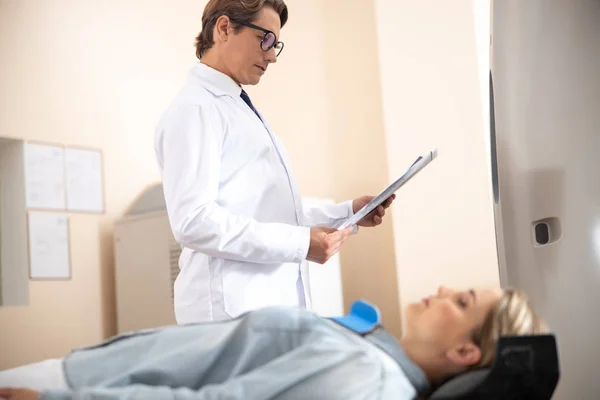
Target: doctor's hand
<point>18,394</point>
<point>325,242</point>
<point>375,217</point>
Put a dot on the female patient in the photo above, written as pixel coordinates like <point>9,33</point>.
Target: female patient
<point>286,353</point>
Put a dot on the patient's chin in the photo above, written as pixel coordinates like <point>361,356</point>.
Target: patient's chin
<point>416,308</point>
<point>411,312</point>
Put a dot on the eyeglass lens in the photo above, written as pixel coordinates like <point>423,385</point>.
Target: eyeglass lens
<point>269,41</point>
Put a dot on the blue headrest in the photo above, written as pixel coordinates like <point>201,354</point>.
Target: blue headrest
<point>363,318</point>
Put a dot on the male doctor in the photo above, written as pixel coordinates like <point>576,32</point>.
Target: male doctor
<point>231,197</point>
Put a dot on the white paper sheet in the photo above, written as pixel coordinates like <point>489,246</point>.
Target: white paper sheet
<point>48,245</point>
<point>44,176</point>
<point>84,180</point>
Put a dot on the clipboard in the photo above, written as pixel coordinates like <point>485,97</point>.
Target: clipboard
<point>417,166</point>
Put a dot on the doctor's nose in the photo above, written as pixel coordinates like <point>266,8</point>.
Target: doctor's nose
<point>271,56</point>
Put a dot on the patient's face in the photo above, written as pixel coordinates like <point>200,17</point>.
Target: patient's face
<point>448,318</point>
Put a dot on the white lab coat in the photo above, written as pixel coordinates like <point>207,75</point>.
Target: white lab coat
<point>233,204</point>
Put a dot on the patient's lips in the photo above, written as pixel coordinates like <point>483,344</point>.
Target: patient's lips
<point>426,301</point>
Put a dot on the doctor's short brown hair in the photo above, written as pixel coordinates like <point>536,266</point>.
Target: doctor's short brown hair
<point>244,10</point>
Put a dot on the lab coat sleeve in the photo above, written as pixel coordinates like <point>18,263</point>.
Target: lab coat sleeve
<point>329,215</point>
<point>190,148</point>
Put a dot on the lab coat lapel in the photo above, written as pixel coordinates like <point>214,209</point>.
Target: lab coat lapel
<point>286,165</point>
<point>304,266</point>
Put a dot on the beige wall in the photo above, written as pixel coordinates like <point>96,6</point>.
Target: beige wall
<point>90,74</point>
<point>99,74</point>
<point>443,225</point>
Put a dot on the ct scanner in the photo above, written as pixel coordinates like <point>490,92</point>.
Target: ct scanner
<point>545,102</point>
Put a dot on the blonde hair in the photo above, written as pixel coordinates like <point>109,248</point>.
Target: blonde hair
<point>513,315</point>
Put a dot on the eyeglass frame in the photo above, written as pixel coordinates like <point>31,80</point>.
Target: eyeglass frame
<point>265,31</point>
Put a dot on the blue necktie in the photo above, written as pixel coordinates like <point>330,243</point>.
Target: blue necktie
<point>246,99</point>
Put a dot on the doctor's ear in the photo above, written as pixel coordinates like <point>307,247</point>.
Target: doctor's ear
<point>223,28</point>
<point>465,354</point>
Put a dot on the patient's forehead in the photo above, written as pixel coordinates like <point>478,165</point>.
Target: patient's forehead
<point>489,293</point>
<point>485,299</point>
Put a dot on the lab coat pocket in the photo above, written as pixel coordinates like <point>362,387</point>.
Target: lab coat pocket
<point>249,286</point>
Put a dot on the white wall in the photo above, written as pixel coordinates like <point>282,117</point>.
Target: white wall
<point>443,219</point>
<point>92,74</point>
<point>482,26</point>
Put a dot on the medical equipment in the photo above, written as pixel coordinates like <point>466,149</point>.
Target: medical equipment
<point>545,138</point>
<point>146,264</point>
<point>526,367</point>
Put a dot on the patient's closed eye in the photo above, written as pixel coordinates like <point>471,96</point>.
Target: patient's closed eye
<point>463,301</point>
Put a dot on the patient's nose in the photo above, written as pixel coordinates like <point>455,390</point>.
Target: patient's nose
<point>444,291</point>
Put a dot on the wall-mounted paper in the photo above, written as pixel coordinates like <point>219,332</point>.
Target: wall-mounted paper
<point>44,176</point>
<point>84,180</point>
<point>48,246</point>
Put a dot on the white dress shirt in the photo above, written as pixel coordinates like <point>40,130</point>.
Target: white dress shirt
<point>233,204</point>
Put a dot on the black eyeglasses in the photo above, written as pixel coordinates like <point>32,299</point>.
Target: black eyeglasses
<point>269,39</point>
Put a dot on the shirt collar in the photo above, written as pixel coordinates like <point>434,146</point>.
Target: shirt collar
<point>215,81</point>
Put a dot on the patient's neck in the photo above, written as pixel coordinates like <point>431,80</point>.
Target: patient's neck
<point>428,358</point>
